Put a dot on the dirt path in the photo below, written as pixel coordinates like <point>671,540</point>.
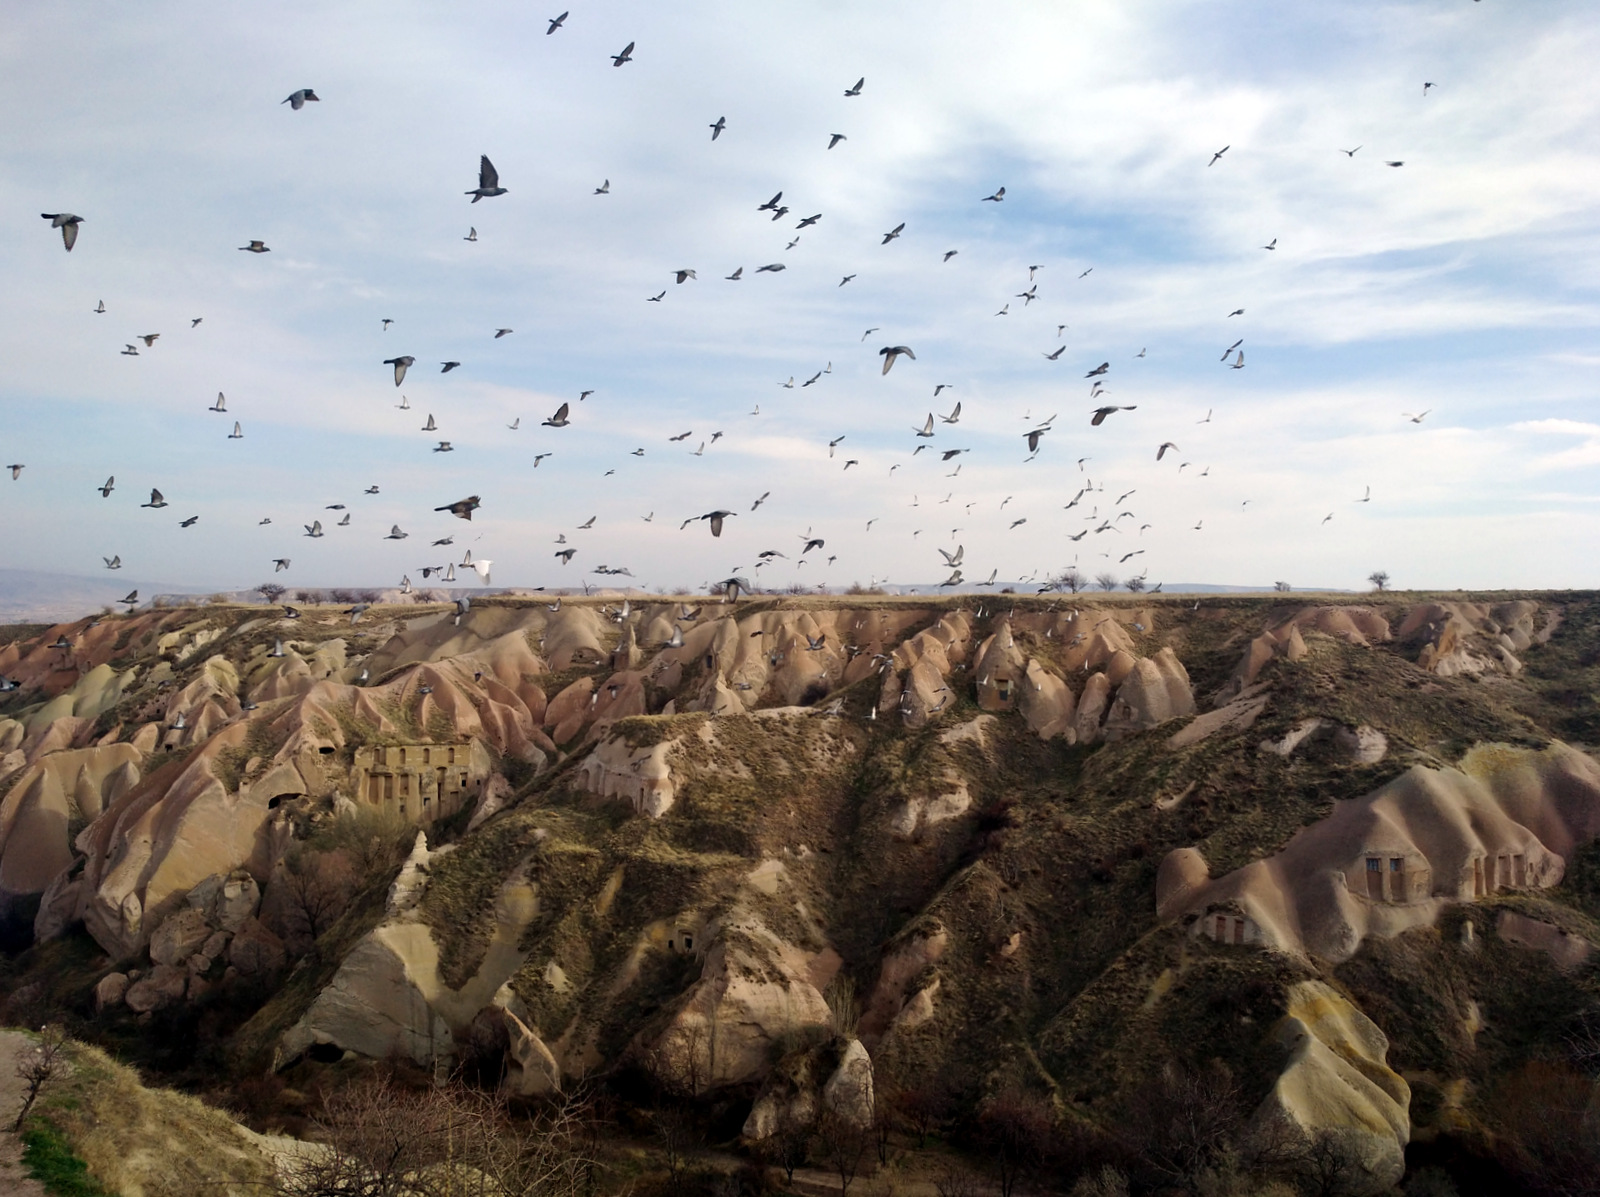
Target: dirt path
<point>14,1181</point>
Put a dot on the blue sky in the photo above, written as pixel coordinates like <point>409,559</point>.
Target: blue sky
<point>1463,284</point>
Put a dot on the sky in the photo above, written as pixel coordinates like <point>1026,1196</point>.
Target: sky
<point>1461,284</point>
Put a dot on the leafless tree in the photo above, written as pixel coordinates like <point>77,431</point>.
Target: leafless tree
<point>382,1140</point>
<point>1106,582</point>
<point>315,891</point>
<point>924,1107</point>
<point>1014,1129</point>
<point>785,1149</point>
<point>955,1181</point>
<point>1379,579</point>
<point>841,1146</point>
<point>40,1067</point>
<point>1070,579</point>
<point>1328,1166</point>
<point>1282,587</point>
<point>1184,1123</point>
<point>270,592</point>
<point>1134,585</point>
<point>844,1010</point>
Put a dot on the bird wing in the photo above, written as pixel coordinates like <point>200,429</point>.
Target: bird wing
<point>561,412</point>
<point>488,176</point>
<point>69,234</point>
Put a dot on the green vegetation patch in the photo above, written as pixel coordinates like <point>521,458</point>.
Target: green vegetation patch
<point>50,1160</point>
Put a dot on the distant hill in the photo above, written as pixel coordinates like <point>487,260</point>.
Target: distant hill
<point>27,596</point>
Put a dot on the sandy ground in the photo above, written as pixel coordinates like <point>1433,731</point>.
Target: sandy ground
<point>13,1181</point>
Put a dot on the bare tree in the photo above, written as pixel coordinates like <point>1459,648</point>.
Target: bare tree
<point>955,1181</point>
<point>839,1145</point>
<point>1070,579</point>
<point>383,1140</point>
<point>924,1107</point>
<point>1106,582</point>
<point>39,1068</point>
<point>270,592</point>
<point>679,1133</point>
<point>1015,1130</point>
<point>1184,1123</point>
<point>1328,1166</point>
<point>1379,579</point>
<point>1134,585</point>
<point>844,1011</point>
<point>316,888</point>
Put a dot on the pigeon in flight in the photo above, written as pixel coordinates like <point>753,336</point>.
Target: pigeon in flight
<point>683,275</point>
<point>954,416</point>
<point>314,529</point>
<point>893,233</point>
<point>1349,153</point>
<point>1394,163</point>
<point>237,434</point>
<point>156,499</point>
<point>279,564</point>
<point>462,509</point>
<point>1098,370</point>
<point>1162,452</point>
<point>770,268</point>
<point>1273,244</point>
<point>190,522</point>
<point>604,188</point>
<point>401,365</point>
<point>101,307</point>
<point>735,276</point>
<point>890,352</point>
<point>488,181</point>
<point>297,99</point>
<point>1057,354</point>
<point>1415,419</point>
<point>67,223</point>
<point>835,138</point>
<point>1231,348</point>
<point>113,562</point>
<point>716,129</point>
<point>996,198</point>
<point>808,221</point>
<point>503,332</point>
<point>1238,362</point>
<point>441,447</point>
<point>926,429</point>
<point>556,23</point>
<point>856,90</point>
<point>1219,154</point>
<point>1235,312</point>
<point>111,484</point>
<point>396,534</point>
<point>626,55</point>
<point>448,366</point>
<point>657,298</point>
<point>559,420</point>
<point>715,518</point>
<point>256,247</point>
<point>846,279</point>
<point>1100,413</point>
<point>761,500</point>
<point>1033,438</point>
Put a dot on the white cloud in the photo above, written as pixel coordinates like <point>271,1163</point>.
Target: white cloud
<point>1462,283</point>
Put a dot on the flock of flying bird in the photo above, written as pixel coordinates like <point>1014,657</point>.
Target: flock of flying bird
<point>1113,519</point>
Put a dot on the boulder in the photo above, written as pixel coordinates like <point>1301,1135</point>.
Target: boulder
<point>227,900</point>
<point>110,990</point>
<point>256,951</point>
<point>848,1092</point>
<point>180,936</point>
<point>161,986</point>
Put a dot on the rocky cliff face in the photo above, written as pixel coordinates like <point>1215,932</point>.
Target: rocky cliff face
<point>782,847</point>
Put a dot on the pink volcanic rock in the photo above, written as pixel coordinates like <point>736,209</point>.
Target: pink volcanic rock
<point>1505,818</point>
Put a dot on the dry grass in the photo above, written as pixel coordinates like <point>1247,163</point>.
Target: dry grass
<point>143,1142</point>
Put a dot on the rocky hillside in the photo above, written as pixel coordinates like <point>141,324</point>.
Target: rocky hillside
<point>796,856</point>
